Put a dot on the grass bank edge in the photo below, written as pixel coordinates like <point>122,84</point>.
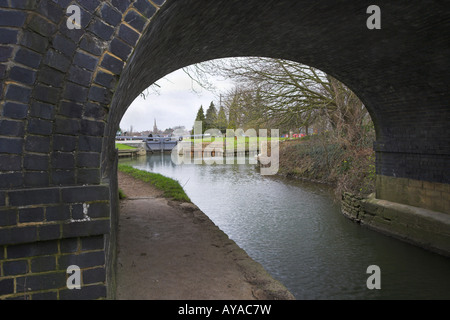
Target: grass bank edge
<point>171,188</point>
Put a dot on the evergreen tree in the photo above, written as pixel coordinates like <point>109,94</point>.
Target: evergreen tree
<point>222,122</point>
<point>211,117</point>
<point>200,117</point>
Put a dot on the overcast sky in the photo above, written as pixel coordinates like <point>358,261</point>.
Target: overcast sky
<point>175,105</point>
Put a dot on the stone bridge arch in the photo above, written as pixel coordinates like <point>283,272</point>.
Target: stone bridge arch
<point>64,91</point>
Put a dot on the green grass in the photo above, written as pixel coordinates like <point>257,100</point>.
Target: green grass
<point>171,188</point>
<point>121,146</point>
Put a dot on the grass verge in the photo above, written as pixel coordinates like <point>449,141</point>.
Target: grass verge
<point>171,188</point>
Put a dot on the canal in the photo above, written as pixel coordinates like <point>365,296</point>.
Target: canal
<point>296,232</point>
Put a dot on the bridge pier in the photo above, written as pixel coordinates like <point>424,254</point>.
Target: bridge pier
<point>429,195</point>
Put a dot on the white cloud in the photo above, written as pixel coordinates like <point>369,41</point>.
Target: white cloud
<point>175,105</point>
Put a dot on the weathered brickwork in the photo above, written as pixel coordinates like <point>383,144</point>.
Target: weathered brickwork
<point>57,86</point>
<point>39,240</point>
<point>38,270</point>
<point>64,91</point>
<point>351,205</point>
<point>29,215</point>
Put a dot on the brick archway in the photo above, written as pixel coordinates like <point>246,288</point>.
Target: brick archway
<point>63,93</point>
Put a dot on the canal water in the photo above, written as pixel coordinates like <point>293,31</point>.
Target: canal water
<point>298,234</point>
